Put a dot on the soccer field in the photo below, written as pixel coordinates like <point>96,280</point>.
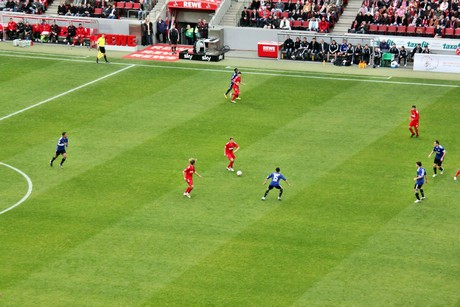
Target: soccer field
<point>112,227</point>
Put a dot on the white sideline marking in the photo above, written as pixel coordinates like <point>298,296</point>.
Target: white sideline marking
<point>42,53</point>
<point>248,71</point>
<point>67,92</point>
<point>29,190</point>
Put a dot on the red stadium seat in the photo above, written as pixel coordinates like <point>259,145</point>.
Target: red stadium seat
<point>296,24</point>
<point>373,29</point>
<point>382,29</point>
<point>457,33</point>
<point>429,31</point>
<point>449,32</point>
<point>136,6</point>
<point>284,14</point>
<point>392,29</point>
<point>420,31</point>
<point>120,5</point>
<point>401,30</point>
<point>97,12</point>
<point>410,30</point>
<point>305,24</point>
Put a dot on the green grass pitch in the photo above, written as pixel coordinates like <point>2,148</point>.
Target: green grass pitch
<point>113,229</point>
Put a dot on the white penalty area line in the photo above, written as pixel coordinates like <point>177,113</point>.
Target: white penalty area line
<point>67,92</point>
<point>29,190</point>
<point>249,72</point>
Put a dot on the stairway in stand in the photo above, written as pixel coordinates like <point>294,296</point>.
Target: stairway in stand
<point>348,16</point>
<point>232,17</point>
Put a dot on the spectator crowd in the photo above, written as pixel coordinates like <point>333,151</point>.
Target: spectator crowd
<point>440,14</point>
<point>312,15</point>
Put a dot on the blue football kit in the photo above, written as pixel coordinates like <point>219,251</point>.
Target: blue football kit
<point>62,144</point>
<point>439,150</point>
<point>421,172</point>
<point>275,179</point>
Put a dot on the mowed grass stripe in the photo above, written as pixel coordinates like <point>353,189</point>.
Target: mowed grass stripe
<point>76,264</point>
<point>396,265</point>
<point>265,263</point>
<point>27,81</point>
<point>147,186</point>
<point>86,187</point>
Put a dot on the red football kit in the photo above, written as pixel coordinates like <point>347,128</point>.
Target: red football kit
<point>414,122</point>
<point>188,176</point>
<point>236,87</point>
<point>229,147</point>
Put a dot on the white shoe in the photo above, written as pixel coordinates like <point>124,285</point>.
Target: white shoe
<point>279,198</point>
<point>230,169</point>
<point>238,98</point>
<point>434,175</point>
<point>417,201</point>
<point>442,172</point>
<point>423,197</point>
<point>455,178</point>
<point>187,195</point>
<point>263,198</point>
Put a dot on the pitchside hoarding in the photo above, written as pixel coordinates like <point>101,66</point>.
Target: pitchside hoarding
<point>434,44</point>
<point>437,63</point>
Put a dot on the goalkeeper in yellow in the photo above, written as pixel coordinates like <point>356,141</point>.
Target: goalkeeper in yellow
<point>101,48</point>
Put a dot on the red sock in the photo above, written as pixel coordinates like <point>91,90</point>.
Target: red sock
<point>457,173</point>
<point>416,130</point>
<point>230,165</point>
<point>411,131</point>
<point>233,96</point>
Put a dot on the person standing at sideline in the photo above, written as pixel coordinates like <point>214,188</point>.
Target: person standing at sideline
<point>101,48</point>
<point>420,179</point>
<point>275,183</point>
<point>188,176</point>
<point>61,147</point>
<point>229,151</point>
<point>439,158</point>
<point>414,121</point>
<point>173,38</point>
<point>235,73</point>
<point>147,27</point>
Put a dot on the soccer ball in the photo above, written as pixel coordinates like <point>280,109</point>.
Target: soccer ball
<point>239,173</point>
<point>394,64</point>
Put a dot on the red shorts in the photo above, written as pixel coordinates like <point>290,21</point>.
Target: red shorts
<point>189,181</point>
<point>413,123</point>
<point>231,156</point>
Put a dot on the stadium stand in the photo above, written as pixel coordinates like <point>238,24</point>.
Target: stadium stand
<point>317,16</point>
<point>409,17</point>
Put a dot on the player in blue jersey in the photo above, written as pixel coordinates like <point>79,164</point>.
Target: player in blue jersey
<point>439,158</point>
<point>61,147</point>
<point>235,73</point>
<point>275,183</point>
<point>419,181</point>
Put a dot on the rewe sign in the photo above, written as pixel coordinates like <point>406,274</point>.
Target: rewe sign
<point>192,5</point>
<point>120,40</point>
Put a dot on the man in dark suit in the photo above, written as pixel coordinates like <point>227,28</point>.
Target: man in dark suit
<point>323,50</point>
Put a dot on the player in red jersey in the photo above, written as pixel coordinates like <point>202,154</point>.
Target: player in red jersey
<point>236,87</point>
<point>414,120</point>
<point>188,176</point>
<point>229,151</point>
<point>457,174</point>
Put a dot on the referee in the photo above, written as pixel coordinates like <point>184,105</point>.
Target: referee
<point>101,48</point>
